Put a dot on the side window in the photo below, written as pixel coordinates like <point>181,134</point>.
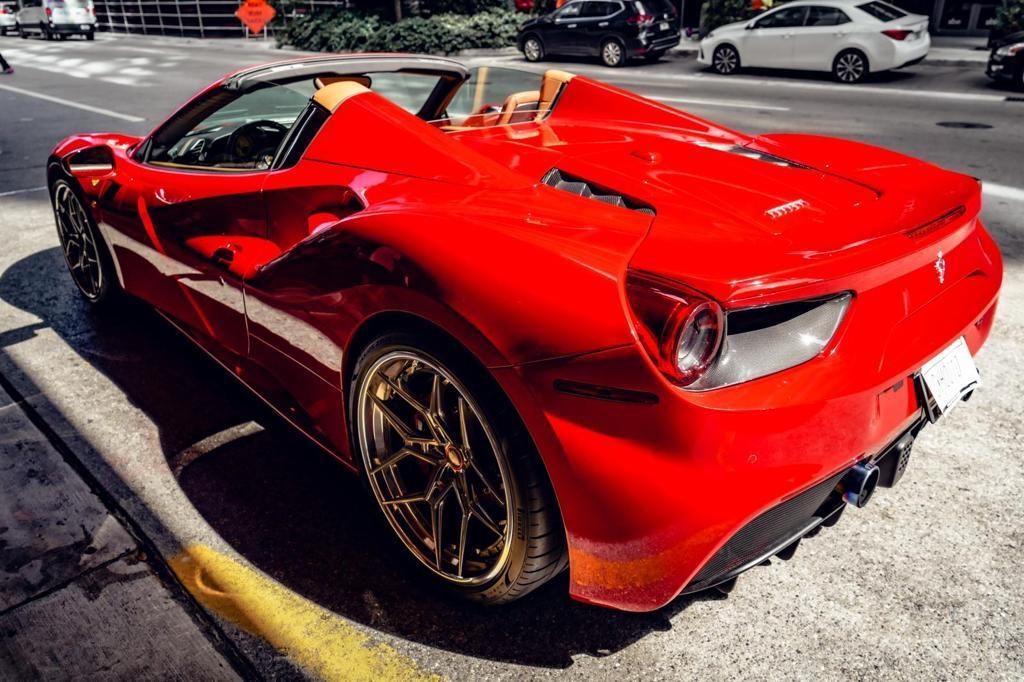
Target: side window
<point>408,90</point>
<point>826,16</point>
<point>784,18</point>
<point>570,11</point>
<point>598,9</point>
<point>227,131</point>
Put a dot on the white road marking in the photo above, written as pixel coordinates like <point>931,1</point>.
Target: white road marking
<point>73,105</point>
<point>21,191</point>
<point>717,103</point>
<point>1002,191</point>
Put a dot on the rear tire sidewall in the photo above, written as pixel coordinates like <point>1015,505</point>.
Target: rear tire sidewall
<point>507,432</point>
<point>864,60</point>
<point>718,65</point>
<point>606,53</point>
<point>539,55</point>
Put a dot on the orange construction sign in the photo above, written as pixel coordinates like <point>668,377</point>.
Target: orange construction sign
<point>255,14</point>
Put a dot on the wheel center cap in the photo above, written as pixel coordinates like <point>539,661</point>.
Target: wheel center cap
<point>456,458</point>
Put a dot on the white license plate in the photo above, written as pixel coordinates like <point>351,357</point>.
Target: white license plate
<point>950,375</point>
<point>85,27</point>
<point>664,26</point>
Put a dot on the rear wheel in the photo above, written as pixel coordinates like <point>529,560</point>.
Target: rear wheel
<point>21,32</point>
<point>452,470</point>
<point>90,36</point>
<point>654,56</point>
<point>533,49</point>
<point>850,66</point>
<point>725,60</point>
<point>612,53</point>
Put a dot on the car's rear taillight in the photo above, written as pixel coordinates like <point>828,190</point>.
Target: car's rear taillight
<point>640,19</point>
<point>897,33</point>
<point>681,329</point>
<point>49,12</point>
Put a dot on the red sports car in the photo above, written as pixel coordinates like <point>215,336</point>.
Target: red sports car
<point>552,323</point>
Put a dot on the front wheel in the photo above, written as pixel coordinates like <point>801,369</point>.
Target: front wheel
<point>84,253</point>
<point>725,60</point>
<point>452,470</point>
<point>850,66</point>
<point>533,49</point>
<point>612,53</point>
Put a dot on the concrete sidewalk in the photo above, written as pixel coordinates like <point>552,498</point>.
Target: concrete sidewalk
<point>80,595</point>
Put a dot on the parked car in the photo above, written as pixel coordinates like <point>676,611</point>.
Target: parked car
<point>614,30</point>
<point>1006,62</point>
<point>850,38</point>
<point>8,19</point>
<point>57,18</point>
<point>658,352</point>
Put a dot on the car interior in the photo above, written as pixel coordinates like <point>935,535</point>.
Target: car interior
<point>255,128</point>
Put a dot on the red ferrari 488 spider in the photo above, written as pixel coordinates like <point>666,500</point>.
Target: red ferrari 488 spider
<point>550,322</point>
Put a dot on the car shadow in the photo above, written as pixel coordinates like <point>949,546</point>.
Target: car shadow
<point>287,506</point>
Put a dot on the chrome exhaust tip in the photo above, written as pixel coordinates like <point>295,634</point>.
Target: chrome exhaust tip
<point>859,483</point>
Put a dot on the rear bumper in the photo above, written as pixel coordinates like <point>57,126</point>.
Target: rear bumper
<point>638,47</point>
<point>901,53</point>
<point>652,487</point>
<point>72,29</point>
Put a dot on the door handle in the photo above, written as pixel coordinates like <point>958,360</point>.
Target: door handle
<point>571,26</point>
<point>603,23</point>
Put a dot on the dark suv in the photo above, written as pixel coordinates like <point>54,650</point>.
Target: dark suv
<point>614,30</point>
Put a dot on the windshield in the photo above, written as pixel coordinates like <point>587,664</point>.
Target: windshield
<point>882,11</point>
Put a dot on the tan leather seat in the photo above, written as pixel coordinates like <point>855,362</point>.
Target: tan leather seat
<point>525,103</point>
<point>324,81</point>
<point>552,83</point>
<point>332,95</point>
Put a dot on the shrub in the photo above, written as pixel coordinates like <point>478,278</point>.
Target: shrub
<point>330,30</point>
<point>1010,17</point>
<point>345,31</point>
<point>715,13</point>
<point>432,7</point>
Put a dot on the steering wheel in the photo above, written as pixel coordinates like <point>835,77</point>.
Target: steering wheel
<point>253,140</point>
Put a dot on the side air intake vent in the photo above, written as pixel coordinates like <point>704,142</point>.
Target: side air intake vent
<point>568,183</point>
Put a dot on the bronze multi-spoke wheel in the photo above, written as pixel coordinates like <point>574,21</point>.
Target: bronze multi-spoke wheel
<point>85,256</point>
<point>462,491</point>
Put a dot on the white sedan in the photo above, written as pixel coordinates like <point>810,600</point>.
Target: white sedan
<point>850,38</point>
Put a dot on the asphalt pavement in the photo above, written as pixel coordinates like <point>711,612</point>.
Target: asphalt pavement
<point>255,550</point>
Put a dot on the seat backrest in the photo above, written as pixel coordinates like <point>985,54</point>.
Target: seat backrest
<point>552,83</point>
<point>519,102</point>
<point>323,81</point>
<point>332,95</point>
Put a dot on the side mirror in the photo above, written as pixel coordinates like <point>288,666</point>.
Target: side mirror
<point>749,27</point>
<point>91,162</point>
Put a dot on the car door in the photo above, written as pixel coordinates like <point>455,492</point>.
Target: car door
<point>769,40</point>
<point>563,36</point>
<point>595,24</point>
<point>185,215</point>
<point>815,43</point>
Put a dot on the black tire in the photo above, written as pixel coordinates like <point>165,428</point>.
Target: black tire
<point>21,32</point>
<point>90,35</point>
<point>3,31</point>
<point>613,53</point>
<point>1018,82</point>
<point>532,525</point>
<point>850,66</point>
<point>653,57</point>
<point>725,60</point>
<point>106,292</point>
<point>533,48</point>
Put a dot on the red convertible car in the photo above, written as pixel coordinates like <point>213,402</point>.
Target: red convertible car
<point>552,323</point>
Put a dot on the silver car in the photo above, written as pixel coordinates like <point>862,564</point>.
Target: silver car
<point>57,18</point>
<point>8,20</point>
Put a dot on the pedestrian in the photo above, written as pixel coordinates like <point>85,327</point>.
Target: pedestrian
<point>4,65</point>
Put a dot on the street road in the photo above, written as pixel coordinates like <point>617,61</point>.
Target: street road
<point>924,582</point>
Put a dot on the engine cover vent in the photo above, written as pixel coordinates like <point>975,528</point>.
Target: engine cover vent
<point>581,188</point>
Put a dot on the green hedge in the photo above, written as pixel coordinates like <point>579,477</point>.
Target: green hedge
<point>1010,17</point>
<point>335,30</point>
